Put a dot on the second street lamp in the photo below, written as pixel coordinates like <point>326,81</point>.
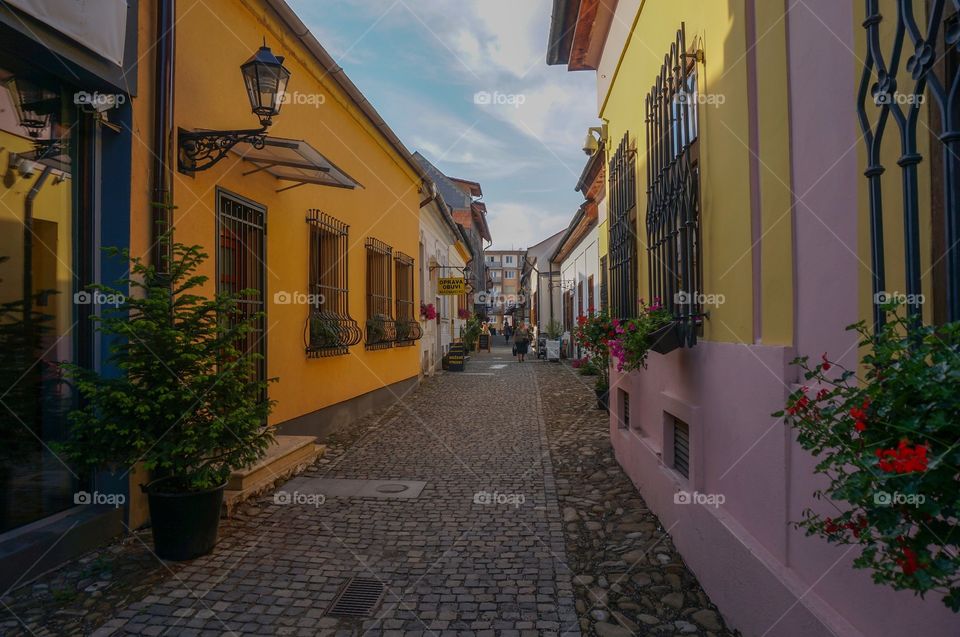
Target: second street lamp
<point>265,80</point>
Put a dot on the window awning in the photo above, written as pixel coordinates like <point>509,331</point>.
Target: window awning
<point>294,160</point>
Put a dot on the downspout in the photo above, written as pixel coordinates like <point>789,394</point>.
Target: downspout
<point>161,205</point>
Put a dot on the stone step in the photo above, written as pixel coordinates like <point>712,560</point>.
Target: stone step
<point>286,457</point>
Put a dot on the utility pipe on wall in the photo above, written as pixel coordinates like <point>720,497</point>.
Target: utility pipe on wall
<point>161,205</point>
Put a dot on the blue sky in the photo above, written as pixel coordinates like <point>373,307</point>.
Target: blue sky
<point>422,63</point>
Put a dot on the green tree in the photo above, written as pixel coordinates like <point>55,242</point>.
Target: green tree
<point>187,402</point>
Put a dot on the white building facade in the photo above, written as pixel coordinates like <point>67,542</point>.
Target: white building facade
<point>443,253</point>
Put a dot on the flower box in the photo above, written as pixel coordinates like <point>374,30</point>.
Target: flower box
<point>665,339</point>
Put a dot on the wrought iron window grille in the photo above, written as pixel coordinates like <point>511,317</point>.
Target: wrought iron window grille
<point>381,329</point>
<point>329,329</point>
<point>408,329</point>
<point>892,89</point>
<point>673,189</point>
<point>623,230</point>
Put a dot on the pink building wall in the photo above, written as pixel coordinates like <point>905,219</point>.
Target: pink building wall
<point>766,577</point>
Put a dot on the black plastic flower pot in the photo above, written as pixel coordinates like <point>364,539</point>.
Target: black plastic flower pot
<point>184,524</point>
<point>603,399</point>
<point>665,340</point>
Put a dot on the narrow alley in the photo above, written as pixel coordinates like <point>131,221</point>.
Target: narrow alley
<point>524,525</point>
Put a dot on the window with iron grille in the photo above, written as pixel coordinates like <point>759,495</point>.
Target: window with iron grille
<point>603,283</point>
<point>898,105</point>
<point>330,330</point>
<point>241,265</point>
<point>681,447</point>
<point>381,328</point>
<point>580,298</point>
<point>407,326</point>
<point>623,230</point>
<point>673,189</point>
<point>590,306</point>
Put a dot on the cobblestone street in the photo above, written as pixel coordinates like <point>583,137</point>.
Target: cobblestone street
<point>488,547</point>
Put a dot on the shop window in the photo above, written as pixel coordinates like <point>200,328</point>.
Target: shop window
<point>45,263</point>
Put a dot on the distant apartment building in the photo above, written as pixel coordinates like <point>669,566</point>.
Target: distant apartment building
<point>505,298</point>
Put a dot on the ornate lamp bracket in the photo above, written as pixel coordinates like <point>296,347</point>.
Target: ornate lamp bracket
<point>199,150</point>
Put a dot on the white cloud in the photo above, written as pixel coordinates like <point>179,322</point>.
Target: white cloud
<point>519,225</point>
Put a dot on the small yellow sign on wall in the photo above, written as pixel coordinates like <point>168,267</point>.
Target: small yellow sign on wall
<point>451,286</point>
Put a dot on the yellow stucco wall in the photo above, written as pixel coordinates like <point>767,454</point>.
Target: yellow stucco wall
<point>718,28</point>
<point>212,42</point>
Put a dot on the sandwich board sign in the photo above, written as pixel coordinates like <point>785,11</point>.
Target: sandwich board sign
<point>455,357</point>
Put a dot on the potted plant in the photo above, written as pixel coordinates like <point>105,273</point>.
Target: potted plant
<point>377,329</point>
<point>187,404</point>
<point>471,332</point>
<point>323,333</point>
<point>634,338</point>
<point>594,333</point>
<point>664,334</point>
<point>885,437</point>
<point>553,333</point>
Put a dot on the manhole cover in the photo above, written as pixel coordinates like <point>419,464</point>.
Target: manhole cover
<point>357,598</point>
<point>392,488</point>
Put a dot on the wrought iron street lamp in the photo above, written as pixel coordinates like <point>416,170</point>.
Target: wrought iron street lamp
<point>34,104</point>
<point>265,80</point>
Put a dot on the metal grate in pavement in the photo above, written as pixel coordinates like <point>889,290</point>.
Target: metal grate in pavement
<point>357,598</point>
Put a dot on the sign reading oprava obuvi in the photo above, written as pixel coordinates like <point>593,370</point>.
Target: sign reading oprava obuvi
<point>451,286</point>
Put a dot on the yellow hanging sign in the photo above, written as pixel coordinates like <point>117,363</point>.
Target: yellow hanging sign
<point>451,286</point>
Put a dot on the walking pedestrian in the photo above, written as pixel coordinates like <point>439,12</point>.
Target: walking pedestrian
<point>521,340</point>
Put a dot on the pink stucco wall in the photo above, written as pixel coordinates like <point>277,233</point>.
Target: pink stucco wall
<point>767,578</point>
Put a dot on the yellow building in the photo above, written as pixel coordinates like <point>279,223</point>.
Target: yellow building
<point>323,219</point>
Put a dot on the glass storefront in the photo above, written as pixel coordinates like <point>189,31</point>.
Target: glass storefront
<point>39,311</point>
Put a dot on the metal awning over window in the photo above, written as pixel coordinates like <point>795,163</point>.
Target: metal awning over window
<point>293,160</point>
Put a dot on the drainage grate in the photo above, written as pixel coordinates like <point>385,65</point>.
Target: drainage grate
<point>357,598</point>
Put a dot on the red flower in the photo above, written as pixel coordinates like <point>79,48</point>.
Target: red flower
<point>859,415</point>
<point>826,364</point>
<point>908,563</point>
<point>903,459</point>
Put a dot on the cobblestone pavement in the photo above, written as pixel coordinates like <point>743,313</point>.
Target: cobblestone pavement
<point>452,561</point>
<point>450,564</point>
<point>628,577</point>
